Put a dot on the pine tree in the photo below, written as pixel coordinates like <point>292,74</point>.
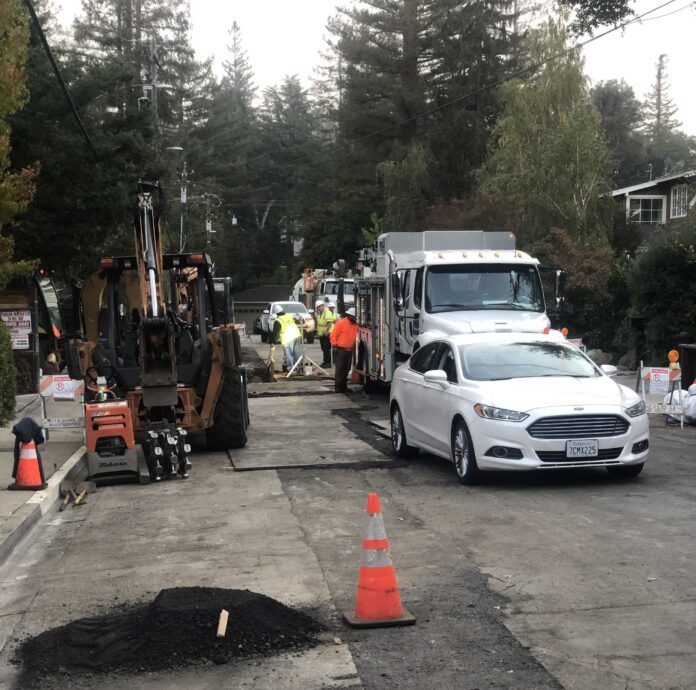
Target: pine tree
<point>659,107</point>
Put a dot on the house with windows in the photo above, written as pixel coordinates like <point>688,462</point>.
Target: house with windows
<point>667,199</point>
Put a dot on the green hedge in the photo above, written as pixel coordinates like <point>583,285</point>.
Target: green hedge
<point>663,286</point>
<point>7,378</point>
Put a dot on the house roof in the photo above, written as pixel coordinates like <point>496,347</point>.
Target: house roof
<point>653,183</point>
<point>264,293</point>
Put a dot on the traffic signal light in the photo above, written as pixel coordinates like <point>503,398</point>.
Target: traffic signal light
<point>42,271</point>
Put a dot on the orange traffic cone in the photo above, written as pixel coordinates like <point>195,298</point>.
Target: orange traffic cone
<point>29,474</point>
<point>377,602</point>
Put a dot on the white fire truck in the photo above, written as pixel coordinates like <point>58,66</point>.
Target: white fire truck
<point>413,287</point>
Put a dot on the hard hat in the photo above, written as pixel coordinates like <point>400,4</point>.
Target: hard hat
<point>277,309</point>
<point>319,303</point>
<point>350,312</point>
<point>332,304</point>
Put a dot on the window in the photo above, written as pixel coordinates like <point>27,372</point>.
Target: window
<point>424,359</point>
<point>679,203</point>
<point>646,209</point>
<point>407,289</point>
<point>448,365</point>
<point>418,288</point>
<point>502,361</point>
<point>464,287</point>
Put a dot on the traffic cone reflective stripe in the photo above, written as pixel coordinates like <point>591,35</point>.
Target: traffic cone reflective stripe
<point>376,535</point>
<point>29,475</point>
<point>377,601</point>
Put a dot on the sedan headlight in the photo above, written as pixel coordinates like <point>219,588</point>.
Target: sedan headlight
<point>499,413</point>
<point>636,410</point>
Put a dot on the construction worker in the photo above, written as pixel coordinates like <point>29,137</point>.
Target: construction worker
<point>323,332</point>
<point>288,334</point>
<point>343,338</point>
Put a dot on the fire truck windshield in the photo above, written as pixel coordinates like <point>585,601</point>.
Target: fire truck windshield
<point>483,287</point>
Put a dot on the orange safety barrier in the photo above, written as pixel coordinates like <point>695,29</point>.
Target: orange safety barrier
<point>29,474</point>
<point>377,601</point>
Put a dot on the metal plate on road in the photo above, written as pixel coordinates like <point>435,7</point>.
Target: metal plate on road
<point>63,423</point>
<point>304,431</point>
<point>582,448</point>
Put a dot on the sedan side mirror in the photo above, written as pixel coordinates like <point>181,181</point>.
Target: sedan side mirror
<point>436,376</point>
<point>609,369</point>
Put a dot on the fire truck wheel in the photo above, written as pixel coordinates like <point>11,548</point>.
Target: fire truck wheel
<point>230,416</point>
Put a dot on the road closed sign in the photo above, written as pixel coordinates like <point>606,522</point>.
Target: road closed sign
<point>18,322</point>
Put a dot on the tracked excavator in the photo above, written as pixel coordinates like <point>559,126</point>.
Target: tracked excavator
<point>158,364</point>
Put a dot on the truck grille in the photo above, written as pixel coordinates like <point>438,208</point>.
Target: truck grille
<point>579,426</point>
<point>560,455</point>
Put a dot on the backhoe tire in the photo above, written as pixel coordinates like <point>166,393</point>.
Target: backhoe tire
<point>230,418</point>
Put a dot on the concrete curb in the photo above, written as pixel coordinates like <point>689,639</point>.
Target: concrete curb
<point>26,405</point>
<point>39,503</point>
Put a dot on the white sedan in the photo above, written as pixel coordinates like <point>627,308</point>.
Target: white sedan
<point>515,401</point>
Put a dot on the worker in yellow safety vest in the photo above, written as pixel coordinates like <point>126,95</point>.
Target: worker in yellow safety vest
<point>288,334</point>
<point>332,319</point>
<point>323,326</point>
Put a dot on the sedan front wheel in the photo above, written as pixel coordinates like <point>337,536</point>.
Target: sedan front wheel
<point>398,435</point>
<point>463,455</point>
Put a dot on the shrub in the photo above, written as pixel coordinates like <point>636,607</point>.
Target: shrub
<point>7,378</point>
<point>663,285</point>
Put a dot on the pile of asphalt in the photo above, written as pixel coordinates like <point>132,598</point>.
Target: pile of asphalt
<point>177,629</point>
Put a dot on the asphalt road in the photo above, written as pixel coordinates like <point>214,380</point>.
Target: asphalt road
<point>526,581</point>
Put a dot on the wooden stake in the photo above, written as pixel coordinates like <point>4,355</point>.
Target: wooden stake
<point>222,623</point>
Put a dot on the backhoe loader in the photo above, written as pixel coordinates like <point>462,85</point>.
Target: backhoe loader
<point>157,363</point>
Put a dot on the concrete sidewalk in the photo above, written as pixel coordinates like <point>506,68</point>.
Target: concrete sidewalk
<point>60,456</point>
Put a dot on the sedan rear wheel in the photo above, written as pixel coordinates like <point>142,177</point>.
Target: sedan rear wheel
<point>398,435</point>
<point>463,455</point>
<point>625,471</point>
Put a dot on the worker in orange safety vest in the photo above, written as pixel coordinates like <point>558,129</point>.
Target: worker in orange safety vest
<point>343,338</point>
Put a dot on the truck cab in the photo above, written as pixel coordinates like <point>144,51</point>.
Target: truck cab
<point>414,287</point>
<point>443,293</point>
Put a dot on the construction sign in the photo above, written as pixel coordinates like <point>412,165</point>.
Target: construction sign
<point>658,382</point>
<point>61,387</point>
<point>18,322</point>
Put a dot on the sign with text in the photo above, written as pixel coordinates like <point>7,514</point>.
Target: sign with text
<point>661,381</point>
<point>63,423</point>
<point>18,322</point>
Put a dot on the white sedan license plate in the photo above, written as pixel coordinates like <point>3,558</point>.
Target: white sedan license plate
<point>582,449</point>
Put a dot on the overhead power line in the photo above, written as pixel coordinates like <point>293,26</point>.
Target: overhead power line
<point>59,77</point>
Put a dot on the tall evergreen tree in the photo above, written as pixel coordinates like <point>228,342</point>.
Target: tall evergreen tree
<point>667,145</point>
<point>659,106</point>
<point>621,118</point>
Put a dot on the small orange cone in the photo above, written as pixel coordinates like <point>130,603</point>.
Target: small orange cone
<point>377,602</point>
<point>29,475</point>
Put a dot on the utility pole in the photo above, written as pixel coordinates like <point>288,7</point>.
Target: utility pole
<point>154,73</point>
<point>184,183</point>
<point>211,201</point>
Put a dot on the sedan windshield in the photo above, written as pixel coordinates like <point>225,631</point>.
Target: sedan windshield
<point>498,361</point>
<point>293,308</point>
<point>483,287</point>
